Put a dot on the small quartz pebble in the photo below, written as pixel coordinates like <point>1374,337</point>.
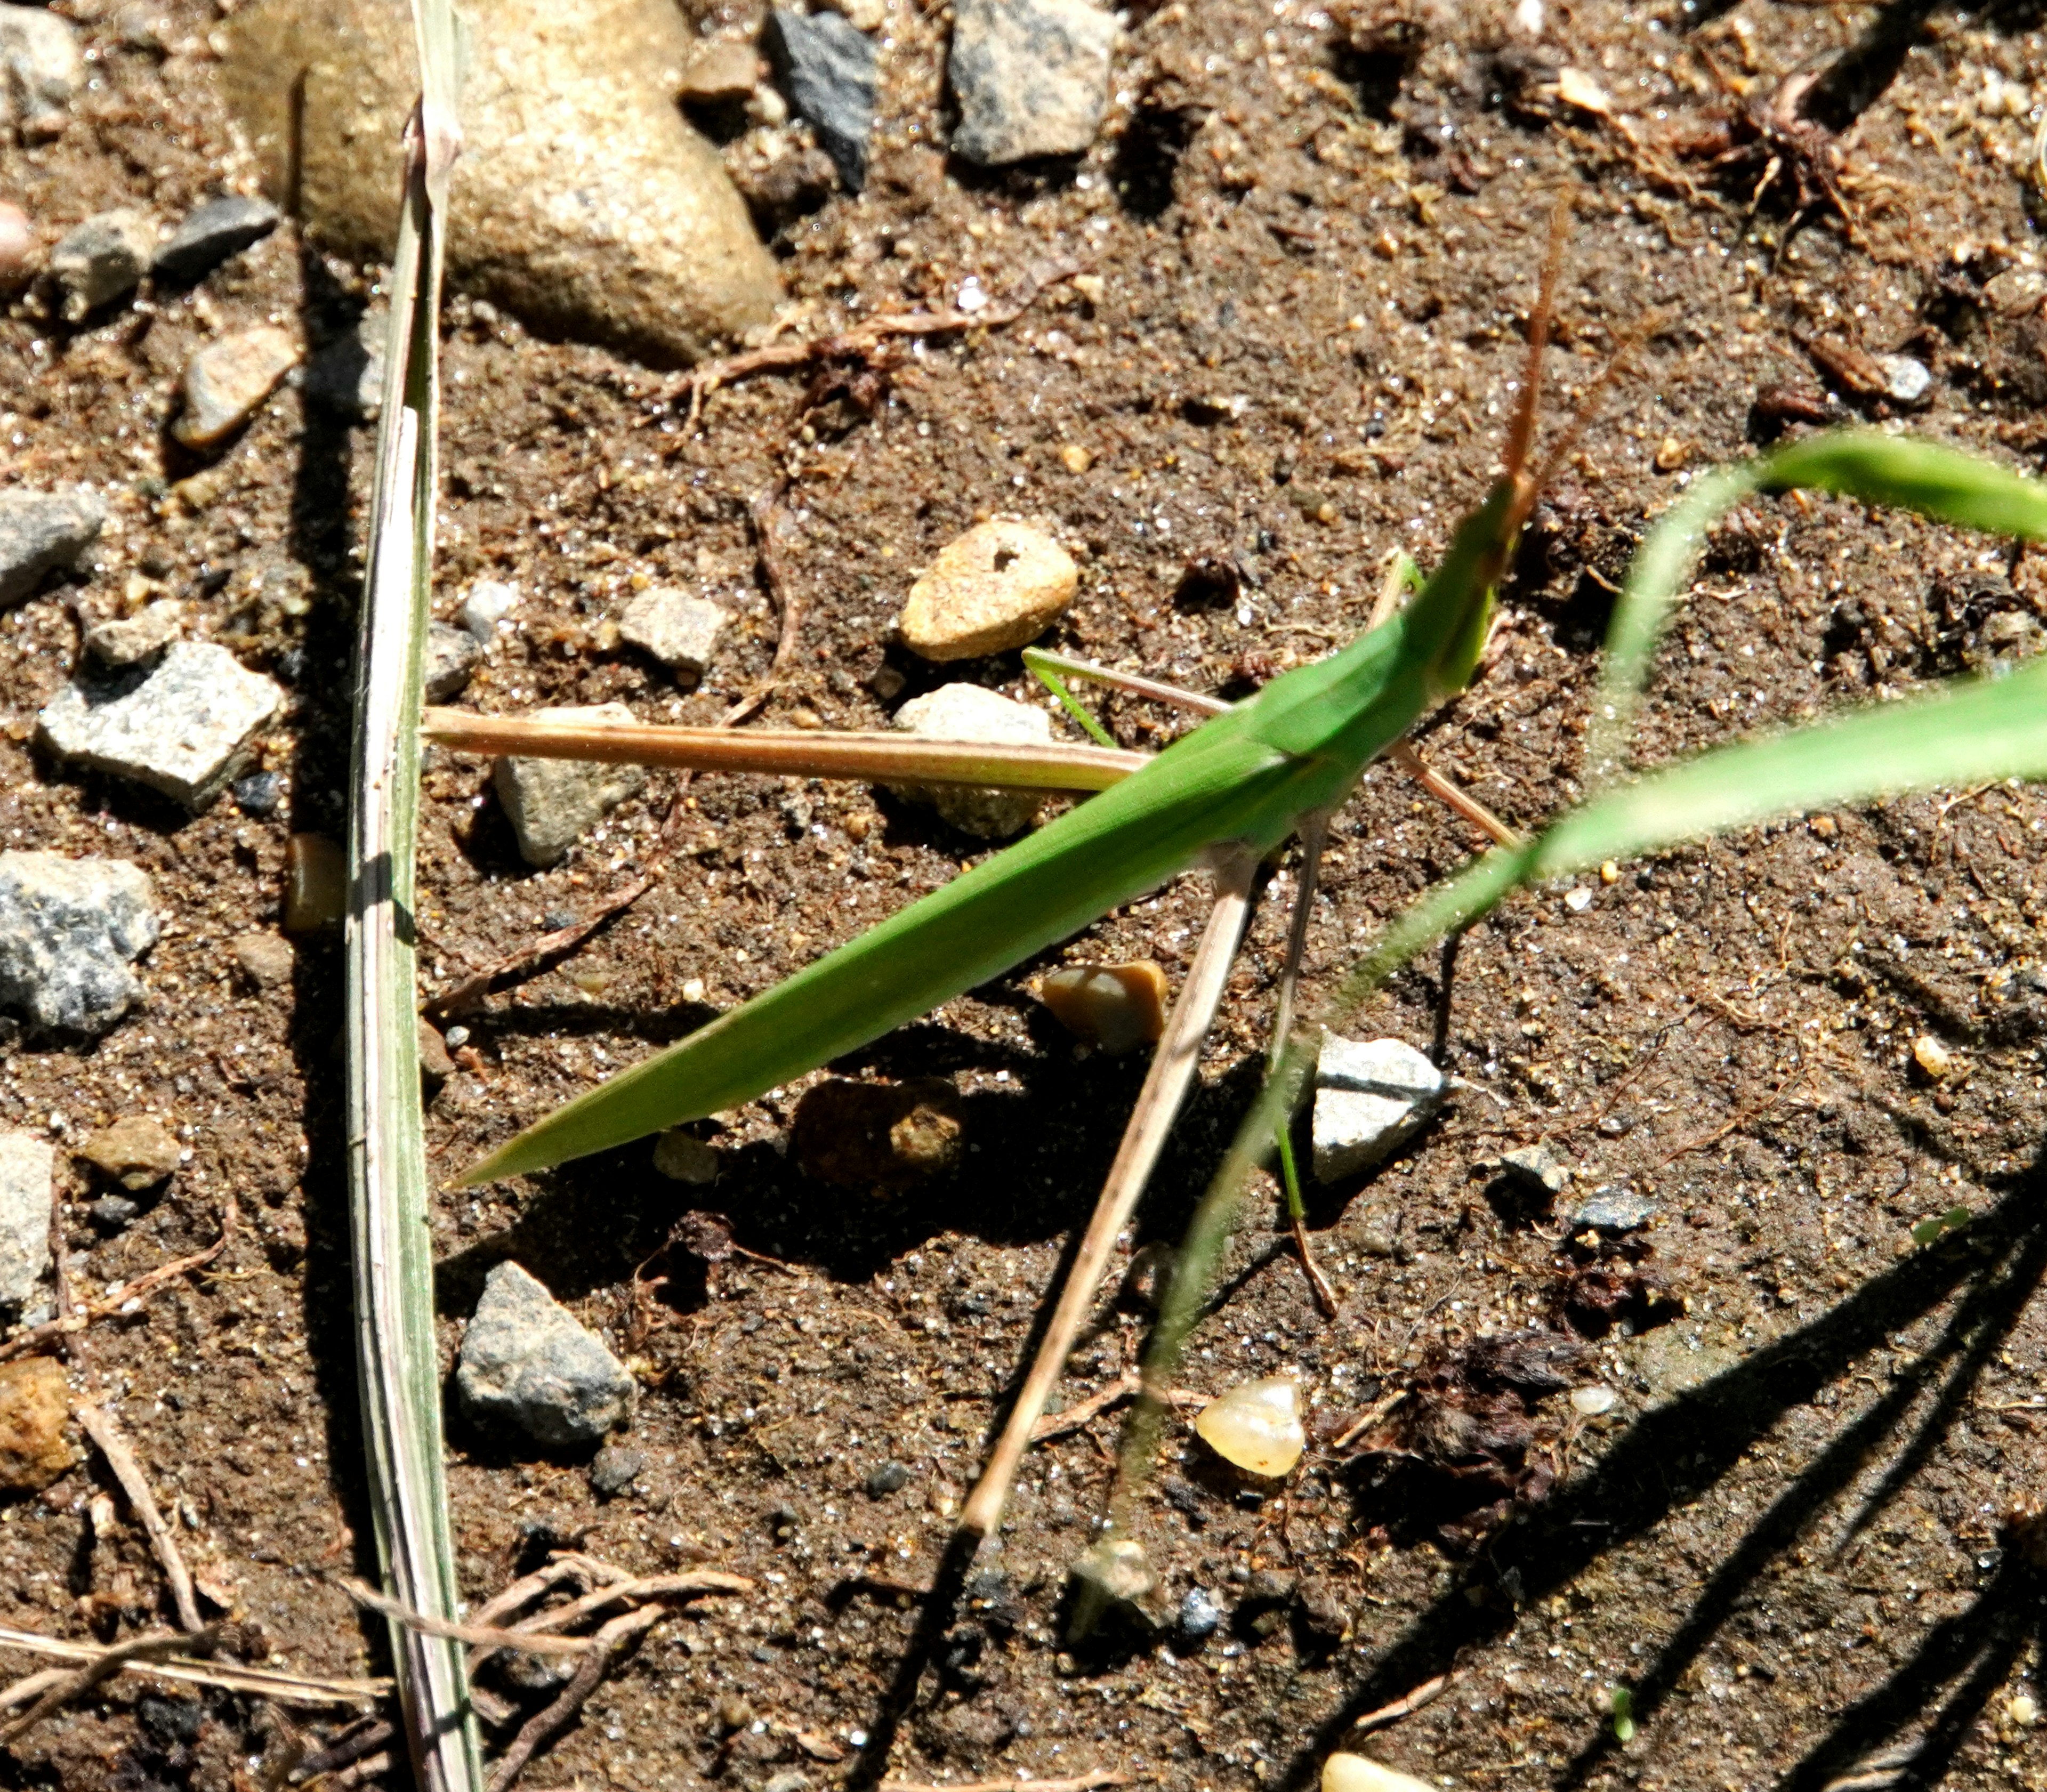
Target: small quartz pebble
<point>683,1157</point>
<point>1118,1569</point>
<point>879,1136</point>
<point>186,728</point>
<point>451,657</point>
<point>1906,382</point>
<point>1370,1097</point>
<point>1257,1426</point>
<point>27,1194</point>
<point>1358,1773</point>
<point>42,532</point>
<point>97,261</point>
<point>129,640</point>
<point>1610,1209</point>
<point>1000,585</point>
<point>1536,1168</point>
<point>220,228</point>
<point>551,803</point>
<point>1933,1058</point>
<point>1199,1615</point>
<point>965,712</point>
<point>679,630</point>
<point>226,381</point>
<point>487,603</point>
<point>316,884</point>
<point>35,1402</point>
<point>138,1152</point>
<point>42,66</point>
<point>2017,292</point>
<point>1594,1400</point>
<point>1114,1007</point>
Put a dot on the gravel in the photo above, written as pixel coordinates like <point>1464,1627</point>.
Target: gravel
<point>219,230</point>
<point>102,258</point>
<point>1370,1097</point>
<point>42,532</point>
<point>42,66</point>
<point>1031,77</point>
<point>827,66</point>
<point>551,803</point>
<point>68,930</point>
<point>966,712</point>
<point>526,1362</point>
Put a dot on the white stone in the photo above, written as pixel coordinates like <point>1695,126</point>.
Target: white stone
<point>68,930</point>
<point>487,604</point>
<point>679,630</point>
<point>1594,1400</point>
<point>41,66</point>
<point>552,803</point>
<point>27,1166</point>
<point>185,729</point>
<point>128,641</point>
<point>965,712</point>
<point>1370,1097</point>
<point>1360,1773</point>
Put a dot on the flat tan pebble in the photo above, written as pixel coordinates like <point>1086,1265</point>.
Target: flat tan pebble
<point>722,69</point>
<point>35,1402</point>
<point>138,1152</point>
<point>1115,1007</point>
<point>128,641</point>
<point>266,960</point>
<point>436,1065</point>
<point>17,245</point>
<point>1075,458</point>
<point>226,381</point>
<point>1000,585</point>
<point>880,1137</point>
<point>1358,1773</point>
<point>1257,1426</point>
<point>316,884</point>
<point>551,803</point>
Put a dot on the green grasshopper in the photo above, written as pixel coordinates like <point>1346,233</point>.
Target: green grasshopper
<point>1221,798</point>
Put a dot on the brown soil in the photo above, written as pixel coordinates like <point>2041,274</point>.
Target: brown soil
<point>1786,1537</point>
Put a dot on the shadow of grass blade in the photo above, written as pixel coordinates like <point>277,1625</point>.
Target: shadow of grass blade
<point>393,1267</point>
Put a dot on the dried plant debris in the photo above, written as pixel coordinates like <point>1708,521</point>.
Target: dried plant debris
<point>1468,1444</point>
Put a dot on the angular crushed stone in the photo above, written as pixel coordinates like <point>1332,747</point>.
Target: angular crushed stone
<point>68,929</point>
<point>526,1361</point>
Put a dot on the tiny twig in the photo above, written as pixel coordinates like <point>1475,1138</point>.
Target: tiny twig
<point>1400,1707</point>
<point>565,1566</point>
<point>104,1666</point>
<point>488,1636</point>
<point>364,1739</point>
<point>1079,1783</point>
<point>648,1589</point>
<point>1371,1416</point>
<point>1060,1424</point>
<point>100,1426</point>
<point>285,1688</point>
<point>761,512</point>
<point>612,1641</point>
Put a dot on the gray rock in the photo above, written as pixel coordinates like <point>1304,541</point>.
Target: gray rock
<point>965,712</point>
<point>219,230</point>
<point>226,381</point>
<point>884,1479</point>
<point>27,1166</point>
<point>97,261</point>
<point>1030,77</point>
<point>827,66</point>
<point>586,204</point>
<point>130,640</point>
<point>41,66</point>
<point>1537,1169</point>
<point>42,532</point>
<point>614,1468</point>
<point>1612,1209</point>
<point>488,602</point>
<point>347,376</point>
<point>551,802</point>
<point>679,630</point>
<point>1370,1099</point>
<point>261,794</point>
<point>451,653</point>
<point>69,928</point>
<point>1199,1615</point>
<point>525,1361</point>
<point>187,728</point>
<point>111,1213</point>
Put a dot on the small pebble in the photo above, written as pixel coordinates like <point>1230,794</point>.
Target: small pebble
<point>17,245</point>
<point>130,640</point>
<point>684,1157</point>
<point>111,1213</point>
<point>316,884</point>
<point>1031,77</point>
<point>2022,1710</point>
<point>998,586</point>
<point>42,532</point>
<point>1257,1426</point>
<point>42,66</point>
<point>1578,899</point>
<point>678,630</point>
<point>35,1403</point>
<point>863,15</point>
<point>487,603</point>
<point>880,1137</point>
<point>1370,1097</point>
<point>527,1361</point>
<point>1075,458</point>
<point>1324,1615</point>
<point>614,1468</point>
<point>1114,1008</point>
<point>264,959</point>
<point>1538,1169</point>
<point>138,1152</point>
<point>186,729</point>
<point>1671,454</point>
<point>1906,382</point>
<point>1594,1400</point>
<point>98,261</point>
<point>1357,1773</point>
<point>1199,1616</point>
<point>790,1779</point>
<point>451,656</point>
<point>551,803</point>
<point>1933,1058</point>
<point>261,795</point>
<point>226,381</point>
<point>1150,1274</point>
<point>2017,292</point>
<point>886,1478</point>
<point>220,228</point>
<point>826,67</point>
<point>1612,1209</point>
<point>1118,1569</point>
<point>69,929</point>
<point>436,1065</point>
<point>966,712</point>
<point>28,1169</point>
<point>721,70</point>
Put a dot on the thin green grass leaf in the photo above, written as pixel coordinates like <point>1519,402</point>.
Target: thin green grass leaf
<point>388,1186</point>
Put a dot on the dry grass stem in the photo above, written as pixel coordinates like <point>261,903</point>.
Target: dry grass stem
<point>268,1683</point>
<point>100,1427</point>
<point>108,1662</point>
<point>613,1640</point>
<point>487,1636</point>
<point>1079,1783</point>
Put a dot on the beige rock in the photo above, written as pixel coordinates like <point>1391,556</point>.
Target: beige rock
<point>722,69</point>
<point>1256,1424</point>
<point>1359,1773</point>
<point>35,1401</point>
<point>1115,1007</point>
<point>138,1152</point>
<point>131,640</point>
<point>264,959</point>
<point>1000,585</point>
<point>965,712</point>
<point>552,803</point>
<point>583,202</point>
<point>226,381</point>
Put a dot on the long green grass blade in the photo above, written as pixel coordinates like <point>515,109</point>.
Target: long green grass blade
<point>387,1186</point>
